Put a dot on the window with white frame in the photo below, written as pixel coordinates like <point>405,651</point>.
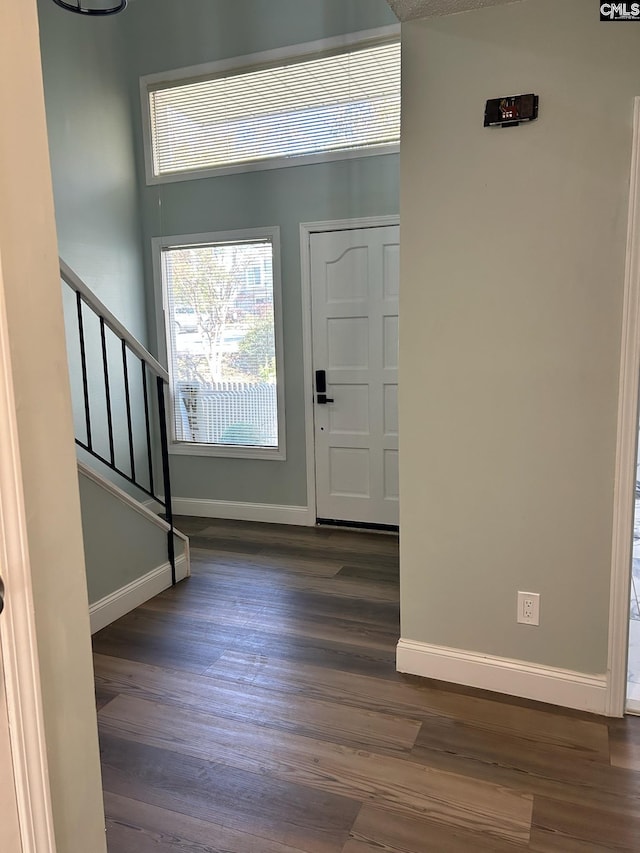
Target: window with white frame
<point>272,110</point>
<point>221,301</point>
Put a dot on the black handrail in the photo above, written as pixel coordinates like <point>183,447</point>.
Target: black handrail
<point>104,373</point>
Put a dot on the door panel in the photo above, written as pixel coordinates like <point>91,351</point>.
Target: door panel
<point>354,298</point>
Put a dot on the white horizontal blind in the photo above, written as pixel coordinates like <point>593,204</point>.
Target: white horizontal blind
<point>328,104</point>
<point>219,312</point>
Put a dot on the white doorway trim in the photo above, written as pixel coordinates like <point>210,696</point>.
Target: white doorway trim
<point>627,436</point>
<point>306,230</point>
<point>18,642</point>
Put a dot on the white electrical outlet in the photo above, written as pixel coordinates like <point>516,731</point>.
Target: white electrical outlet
<point>529,608</point>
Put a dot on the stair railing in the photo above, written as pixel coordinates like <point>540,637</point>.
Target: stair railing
<point>154,416</point>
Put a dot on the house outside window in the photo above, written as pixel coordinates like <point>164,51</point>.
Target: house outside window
<point>222,320</point>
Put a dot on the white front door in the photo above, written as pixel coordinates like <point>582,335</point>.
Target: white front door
<point>354,307</point>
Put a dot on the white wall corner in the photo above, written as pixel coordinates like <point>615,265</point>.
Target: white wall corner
<point>124,600</point>
<point>240,511</point>
<point>555,686</point>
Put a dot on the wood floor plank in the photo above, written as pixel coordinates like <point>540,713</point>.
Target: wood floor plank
<point>256,708</point>
<point>348,632</point>
<point>103,696</point>
<point>118,642</point>
<point>624,743</point>
<point>146,634</point>
<point>572,773</point>
<point>305,651</point>
<point>625,755</point>
<point>253,803</point>
<point>265,581</point>
<point>359,630</point>
<point>159,616</point>
<point>247,565</point>
<point>387,782</point>
<point>386,574</point>
<point>359,541</point>
<point>375,830</point>
<point>287,541</point>
<point>324,606</point>
<point>234,546</point>
<point>394,694</point>
<point>137,827</point>
<point>540,725</point>
<point>407,696</point>
<point>287,550</point>
<point>267,707</point>
<point>521,749</point>
<point>345,556</point>
<point>590,785</point>
<point>218,575</point>
<point>557,829</point>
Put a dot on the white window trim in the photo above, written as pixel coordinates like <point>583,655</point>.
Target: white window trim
<point>271,233</point>
<point>251,62</point>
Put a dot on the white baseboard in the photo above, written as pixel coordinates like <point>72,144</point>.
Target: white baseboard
<point>123,600</point>
<point>514,677</point>
<point>239,511</point>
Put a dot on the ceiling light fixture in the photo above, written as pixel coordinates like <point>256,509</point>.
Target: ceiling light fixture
<point>80,10</point>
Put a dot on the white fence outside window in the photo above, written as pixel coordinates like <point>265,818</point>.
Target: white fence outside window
<point>231,413</point>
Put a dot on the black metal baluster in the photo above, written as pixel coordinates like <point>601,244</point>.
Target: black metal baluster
<point>147,426</point>
<point>85,381</point>
<point>107,391</point>
<point>125,370</point>
<point>129,347</point>
<point>164,445</point>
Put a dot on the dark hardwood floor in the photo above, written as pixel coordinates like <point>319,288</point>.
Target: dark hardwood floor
<point>255,708</point>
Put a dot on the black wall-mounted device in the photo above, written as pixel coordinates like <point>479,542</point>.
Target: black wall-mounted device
<point>511,110</point>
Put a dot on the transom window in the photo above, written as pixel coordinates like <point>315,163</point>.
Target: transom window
<point>221,301</point>
<point>273,112</point>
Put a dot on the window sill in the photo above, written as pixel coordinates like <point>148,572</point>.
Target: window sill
<point>227,451</point>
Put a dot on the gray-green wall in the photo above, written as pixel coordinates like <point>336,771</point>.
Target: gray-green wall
<point>512,257</point>
<point>164,35</point>
<point>92,147</point>
<point>92,150</point>
<point>115,561</point>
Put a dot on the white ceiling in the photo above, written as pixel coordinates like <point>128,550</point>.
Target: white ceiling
<point>405,10</point>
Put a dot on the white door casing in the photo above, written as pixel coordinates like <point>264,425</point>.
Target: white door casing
<point>354,275</point>
<point>9,821</point>
<point>24,778</point>
<point>626,457</point>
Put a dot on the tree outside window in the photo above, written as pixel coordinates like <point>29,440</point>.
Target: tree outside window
<point>219,312</point>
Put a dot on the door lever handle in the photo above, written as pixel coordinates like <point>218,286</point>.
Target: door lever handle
<point>1,595</point>
<point>321,388</point>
